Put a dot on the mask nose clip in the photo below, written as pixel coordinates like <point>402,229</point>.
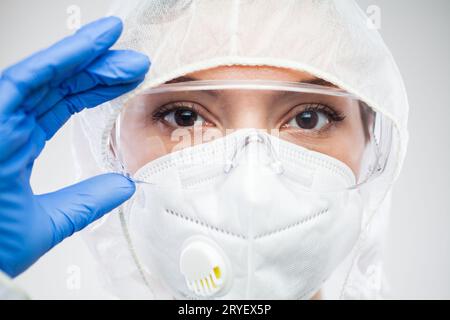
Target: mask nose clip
<point>255,137</point>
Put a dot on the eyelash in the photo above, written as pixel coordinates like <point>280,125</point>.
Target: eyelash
<point>163,111</point>
<point>331,114</point>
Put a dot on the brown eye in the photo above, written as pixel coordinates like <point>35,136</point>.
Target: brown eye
<point>183,117</point>
<point>309,120</point>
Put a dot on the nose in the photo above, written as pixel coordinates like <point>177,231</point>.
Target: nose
<point>247,118</point>
<point>247,111</point>
<point>261,145</point>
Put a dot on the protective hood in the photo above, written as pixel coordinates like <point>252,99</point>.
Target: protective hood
<point>332,40</point>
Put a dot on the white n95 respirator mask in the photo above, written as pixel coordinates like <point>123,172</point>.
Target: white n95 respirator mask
<point>238,218</point>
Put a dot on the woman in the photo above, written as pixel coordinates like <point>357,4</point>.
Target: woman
<point>264,143</point>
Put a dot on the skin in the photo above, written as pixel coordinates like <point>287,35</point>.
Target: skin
<point>343,140</point>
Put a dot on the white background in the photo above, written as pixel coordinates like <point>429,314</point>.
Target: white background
<point>417,32</point>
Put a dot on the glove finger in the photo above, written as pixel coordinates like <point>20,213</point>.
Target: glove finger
<point>35,98</point>
<point>15,131</point>
<point>73,208</point>
<point>55,118</point>
<point>110,69</point>
<point>54,64</point>
<point>16,169</point>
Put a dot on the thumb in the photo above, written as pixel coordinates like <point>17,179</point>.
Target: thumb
<point>73,208</point>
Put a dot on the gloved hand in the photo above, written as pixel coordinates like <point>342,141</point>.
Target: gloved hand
<point>37,96</point>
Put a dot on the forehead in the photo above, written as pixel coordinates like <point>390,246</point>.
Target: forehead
<point>252,73</point>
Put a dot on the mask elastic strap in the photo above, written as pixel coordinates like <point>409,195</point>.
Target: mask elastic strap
<point>131,248</point>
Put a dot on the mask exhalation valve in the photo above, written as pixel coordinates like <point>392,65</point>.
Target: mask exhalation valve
<point>205,267</point>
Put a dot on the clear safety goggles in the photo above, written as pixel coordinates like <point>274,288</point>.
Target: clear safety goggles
<point>319,120</point>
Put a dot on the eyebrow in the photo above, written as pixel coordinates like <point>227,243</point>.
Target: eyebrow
<point>319,82</point>
<point>315,81</point>
<point>215,93</point>
<point>181,79</point>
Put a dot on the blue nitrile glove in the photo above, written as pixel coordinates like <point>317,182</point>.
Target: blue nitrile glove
<point>37,96</point>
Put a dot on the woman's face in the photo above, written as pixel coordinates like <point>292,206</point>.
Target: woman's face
<point>168,122</point>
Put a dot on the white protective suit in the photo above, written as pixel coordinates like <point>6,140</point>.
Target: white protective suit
<point>332,40</point>
<point>9,290</point>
